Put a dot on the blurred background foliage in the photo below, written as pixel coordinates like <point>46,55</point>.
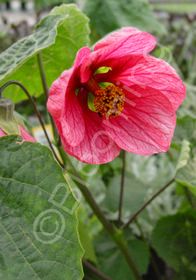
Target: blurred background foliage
<point>173,214</point>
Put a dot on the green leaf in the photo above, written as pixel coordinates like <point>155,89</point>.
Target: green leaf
<point>111,261</point>
<point>86,243</point>
<point>134,194</point>
<point>185,129</point>
<point>106,16</point>
<point>188,107</point>
<point>58,36</point>
<point>38,225</point>
<point>184,155</point>
<point>153,171</point>
<point>185,170</point>
<point>144,176</point>
<point>187,175</point>
<point>45,4</point>
<point>185,275</point>
<point>174,238</point>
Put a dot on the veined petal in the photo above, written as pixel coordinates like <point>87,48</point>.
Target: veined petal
<point>64,107</point>
<point>2,133</point>
<point>146,71</point>
<point>72,121</point>
<point>69,78</point>
<point>26,136</point>
<point>56,100</point>
<point>135,43</point>
<point>96,147</point>
<point>81,55</point>
<point>147,123</point>
<point>156,73</point>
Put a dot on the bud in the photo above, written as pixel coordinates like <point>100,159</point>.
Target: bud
<point>6,109</point>
<point>9,124</point>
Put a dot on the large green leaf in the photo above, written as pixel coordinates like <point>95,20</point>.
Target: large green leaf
<point>112,262</point>
<point>174,238</point>
<point>109,15</point>
<point>58,36</point>
<point>38,225</point>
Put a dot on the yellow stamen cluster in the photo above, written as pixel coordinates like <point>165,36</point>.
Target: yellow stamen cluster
<point>109,101</point>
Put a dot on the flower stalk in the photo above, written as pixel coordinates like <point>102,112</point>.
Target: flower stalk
<point>115,234</point>
<point>46,92</point>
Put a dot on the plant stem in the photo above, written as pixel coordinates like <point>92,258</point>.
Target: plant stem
<point>121,189</point>
<point>90,267</point>
<point>115,234</point>
<point>120,242</point>
<point>42,73</point>
<point>89,198</point>
<point>36,111</point>
<point>147,203</point>
<point>46,93</point>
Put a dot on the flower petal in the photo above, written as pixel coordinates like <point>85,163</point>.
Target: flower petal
<point>2,133</point>
<point>96,147</point>
<point>72,121</point>
<point>26,136</point>
<point>146,71</point>
<point>134,43</point>
<point>130,39</point>
<point>63,105</point>
<point>156,73</point>
<point>137,43</point>
<point>147,123</point>
<point>56,100</point>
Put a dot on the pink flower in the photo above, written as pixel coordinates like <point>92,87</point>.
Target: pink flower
<point>26,136</point>
<point>116,97</point>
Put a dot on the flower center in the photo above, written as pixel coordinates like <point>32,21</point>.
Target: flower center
<point>109,102</point>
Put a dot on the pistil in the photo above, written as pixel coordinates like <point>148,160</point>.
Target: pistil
<point>92,85</point>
